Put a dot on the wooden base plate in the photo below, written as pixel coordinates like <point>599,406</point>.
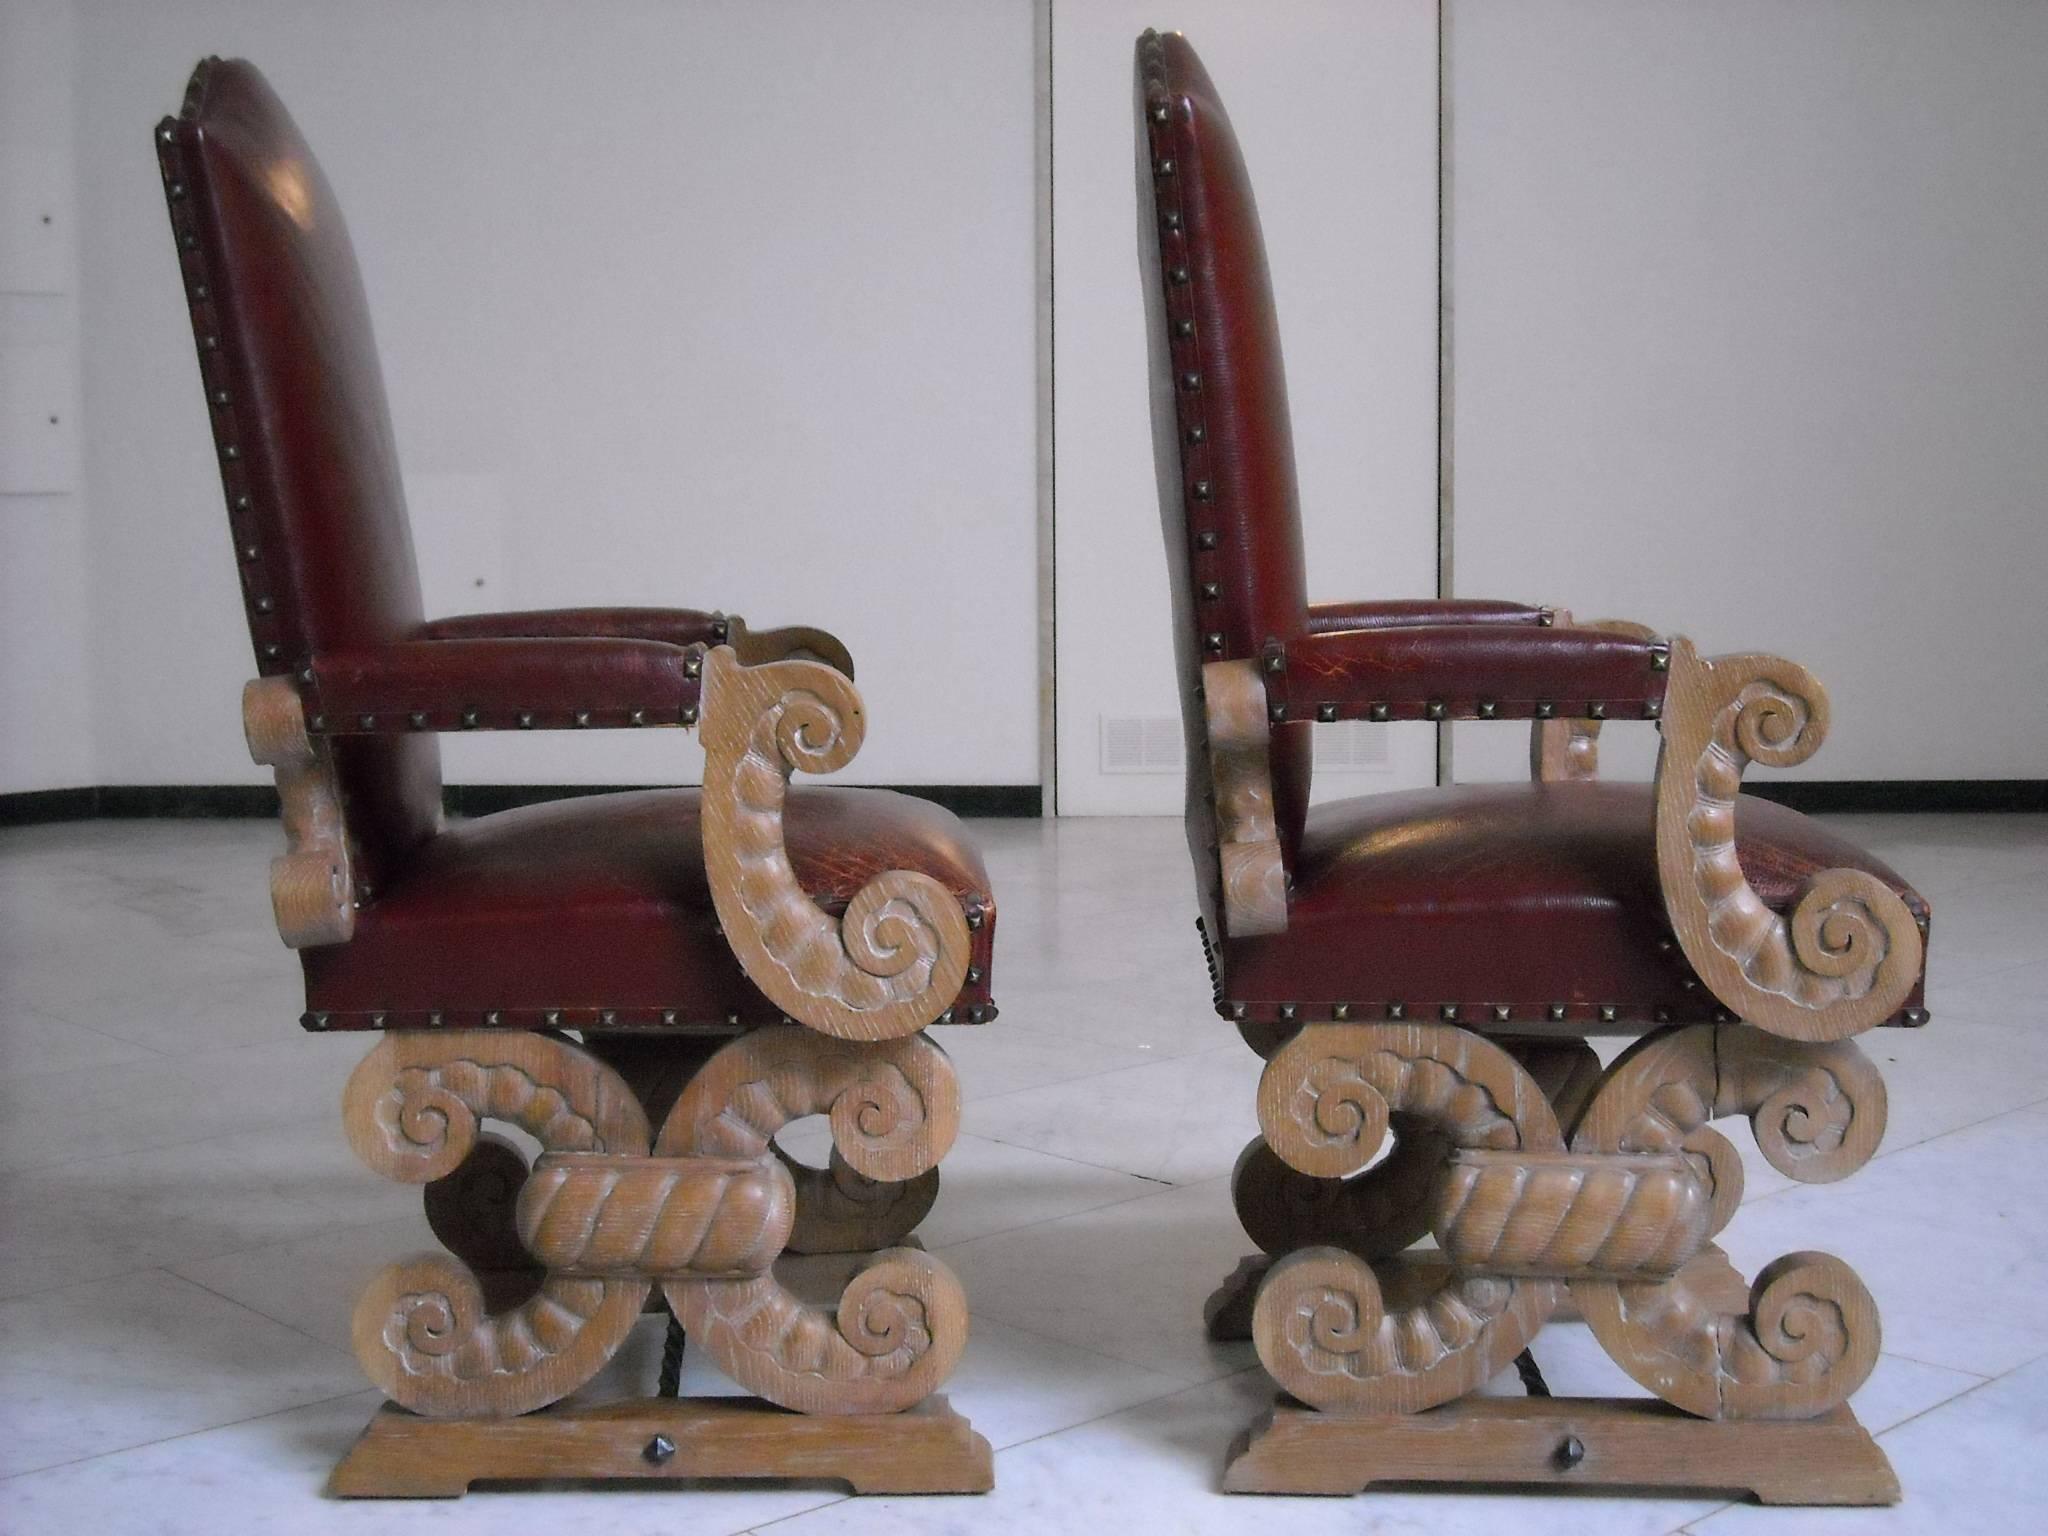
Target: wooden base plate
<point>926,1449</point>
<point>1563,1442</point>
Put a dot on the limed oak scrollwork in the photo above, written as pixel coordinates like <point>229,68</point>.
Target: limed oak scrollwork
<point>791,642</point>
<point>1568,751</point>
<point>1337,1331</point>
<point>1254,876</point>
<point>1810,1336</point>
<point>896,959</point>
<point>839,1209</point>
<point>423,1331</point>
<point>312,887</point>
<point>590,1214</point>
<point>1849,953</point>
<point>901,1321</point>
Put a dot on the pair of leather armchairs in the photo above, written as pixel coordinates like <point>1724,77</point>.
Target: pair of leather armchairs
<point>651,984</point>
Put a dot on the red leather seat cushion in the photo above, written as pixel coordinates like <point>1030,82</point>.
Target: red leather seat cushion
<point>600,903</point>
<point>1519,894</point>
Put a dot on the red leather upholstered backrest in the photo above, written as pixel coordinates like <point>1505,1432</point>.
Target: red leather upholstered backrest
<point>296,400</point>
<point>1222,440</point>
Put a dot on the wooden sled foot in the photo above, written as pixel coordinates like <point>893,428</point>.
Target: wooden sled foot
<point>1563,1442</point>
<point>926,1449</point>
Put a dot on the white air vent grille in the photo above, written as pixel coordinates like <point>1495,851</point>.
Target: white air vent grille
<point>1141,744</point>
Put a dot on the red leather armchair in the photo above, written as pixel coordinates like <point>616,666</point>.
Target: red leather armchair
<point>649,984</point>
<point>1425,968</point>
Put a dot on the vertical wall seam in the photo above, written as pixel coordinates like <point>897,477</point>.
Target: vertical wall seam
<point>1048,465</point>
<point>1445,369</point>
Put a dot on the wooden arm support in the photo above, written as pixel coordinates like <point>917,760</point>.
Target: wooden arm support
<point>312,891</point>
<point>1849,952</point>
<point>897,958</point>
<point>1254,875</point>
<point>1561,750</point>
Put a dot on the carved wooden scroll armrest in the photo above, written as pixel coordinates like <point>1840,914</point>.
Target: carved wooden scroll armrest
<point>897,958</point>
<point>795,642</point>
<point>311,889</point>
<point>1565,750</point>
<point>1849,952</point>
<point>1240,770</point>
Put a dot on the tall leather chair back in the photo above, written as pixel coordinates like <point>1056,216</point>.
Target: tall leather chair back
<point>1223,445</point>
<point>308,460</point>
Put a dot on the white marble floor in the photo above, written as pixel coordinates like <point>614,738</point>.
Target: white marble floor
<point>183,1230</point>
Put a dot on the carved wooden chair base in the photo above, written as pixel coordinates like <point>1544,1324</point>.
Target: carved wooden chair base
<point>549,1268</point>
<point>926,1449</point>
<point>1549,1187</point>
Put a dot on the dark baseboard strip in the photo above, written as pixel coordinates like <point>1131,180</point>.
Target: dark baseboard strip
<point>1823,795</point>
<point>129,801</point>
<point>204,801</point>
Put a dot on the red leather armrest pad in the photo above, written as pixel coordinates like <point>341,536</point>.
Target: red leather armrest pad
<point>504,684</point>
<point>671,626</point>
<point>1405,612</point>
<point>1469,670</point>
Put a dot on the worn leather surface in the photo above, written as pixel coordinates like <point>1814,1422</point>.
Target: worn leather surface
<point>1399,613</point>
<point>1223,440</point>
<point>1525,896</point>
<point>671,626</point>
<point>1462,666</point>
<point>600,904</point>
<point>1522,894</point>
<point>581,908</point>
<point>296,400</point>
<point>503,684</point>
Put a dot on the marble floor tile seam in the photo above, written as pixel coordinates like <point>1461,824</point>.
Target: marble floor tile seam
<point>1143,1402</point>
<point>1160,1186</point>
<point>1689,1528</point>
<point>183,1434</point>
<point>186,1434</point>
<point>172,1267</point>
<point>236,1301</point>
<point>766,1528</point>
<point>47,1011</point>
<point>1039,1221</point>
<point>178,1144</point>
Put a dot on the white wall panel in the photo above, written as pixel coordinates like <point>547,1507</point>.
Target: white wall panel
<point>1336,107</point>
<point>46,705</point>
<point>1750,341</point>
<point>708,304</point>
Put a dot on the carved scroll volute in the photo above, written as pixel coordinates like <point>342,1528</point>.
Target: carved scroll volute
<point>898,957</point>
<point>1335,1330</point>
<point>312,890</point>
<point>901,1321</point>
<point>422,1330</point>
<point>1254,876</point>
<point>1849,953</point>
<point>1810,1335</point>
